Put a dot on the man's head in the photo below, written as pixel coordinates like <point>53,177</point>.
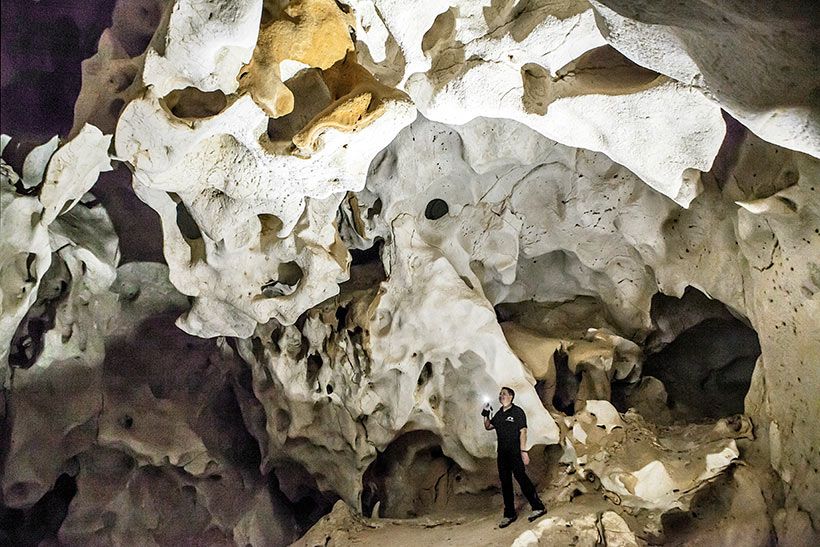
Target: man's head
<point>506,396</point>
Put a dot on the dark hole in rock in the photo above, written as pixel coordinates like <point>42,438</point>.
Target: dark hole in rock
<point>126,421</point>
<point>707,512</point>
<point>707,369</point>
<point>300,322</point>
<point>269,227</point>
<point>193,103</point>
<point>544,392</point>
<point>314,364</point>
<point>27,345</point>
<point>375,209</point>
<point>566,384</point>
<point>366,268</point>
<point>186,223</point>
<point>341,317</point>
<point>158,389</point>
<point>425,374</point>
<point>304,345</point>
<point>329,389</point>
<point>294,487</point>
<point>39,524</point>
<point>436,209</point>
<point>31,258</point>
<point>702,353</point>
<point>258,348</point>
<point>289,275</point>
<point>371,255</point>
<point>411,477</point>
<point>222,426</point>
<point>503,313</point>
<point>671,316</point>
<point>137,225</point>
<point>29,339</point>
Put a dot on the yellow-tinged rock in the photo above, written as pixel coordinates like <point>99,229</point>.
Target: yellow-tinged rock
<point>313,32</point>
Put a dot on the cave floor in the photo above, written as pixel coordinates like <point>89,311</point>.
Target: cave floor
<point>572,523</point>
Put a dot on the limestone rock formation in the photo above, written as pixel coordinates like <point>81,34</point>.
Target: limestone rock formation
<point>640,467</point>
<point>545,65</point>
<point>375,214</point>
<point>608,528</point>
<point>234,186</point>
<point>713,48</point>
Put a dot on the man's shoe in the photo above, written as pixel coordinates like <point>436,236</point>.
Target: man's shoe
<point>506,521</point>
<point>537,514</point>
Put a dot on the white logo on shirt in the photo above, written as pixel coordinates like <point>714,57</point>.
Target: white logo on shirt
<point>510,419</point>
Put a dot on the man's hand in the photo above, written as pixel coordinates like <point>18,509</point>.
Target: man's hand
<point>522,438</point>
<point>485,411</point>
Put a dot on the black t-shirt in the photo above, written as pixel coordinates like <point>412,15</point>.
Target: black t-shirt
<point>508,424</point>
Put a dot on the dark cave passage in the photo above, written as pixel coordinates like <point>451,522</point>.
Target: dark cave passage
<point>411,477</point>
<point>38,524</point>
<point>707,366</point>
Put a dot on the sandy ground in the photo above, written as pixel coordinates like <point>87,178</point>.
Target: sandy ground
<point>570,523</point>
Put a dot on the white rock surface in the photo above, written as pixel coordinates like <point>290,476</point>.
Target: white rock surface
<point>205,45</point>
<point>544,66</point>
<point>587,529</point>
<point>58,257</point>
<point>755,58</point>
<point>644,467</point>
<point>31,231</point>
<point>251,198</point>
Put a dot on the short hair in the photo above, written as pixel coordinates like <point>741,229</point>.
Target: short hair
<point>509,390</point>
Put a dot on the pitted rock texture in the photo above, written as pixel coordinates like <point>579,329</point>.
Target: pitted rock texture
<point>264,187</point>
<point>713,48</point>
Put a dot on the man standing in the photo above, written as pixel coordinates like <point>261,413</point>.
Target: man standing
<point>510,424</point>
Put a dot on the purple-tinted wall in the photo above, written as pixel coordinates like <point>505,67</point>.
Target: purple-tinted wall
<point>42,44</point>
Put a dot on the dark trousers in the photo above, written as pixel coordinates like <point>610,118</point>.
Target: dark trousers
<point>509,464</point>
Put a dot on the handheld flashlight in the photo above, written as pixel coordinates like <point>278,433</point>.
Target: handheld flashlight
<point>486,409</point>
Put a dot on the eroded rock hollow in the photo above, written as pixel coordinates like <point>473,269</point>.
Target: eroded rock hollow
<point>259,290</point>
